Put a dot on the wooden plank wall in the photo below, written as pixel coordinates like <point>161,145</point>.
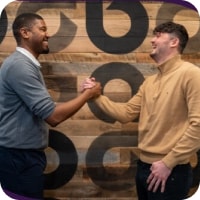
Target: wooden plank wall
<point>91,156</point>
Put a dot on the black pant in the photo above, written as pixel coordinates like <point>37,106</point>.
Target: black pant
<point>177,185</point>
<point>21,172</point>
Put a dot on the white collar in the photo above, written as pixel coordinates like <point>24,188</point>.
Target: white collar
<point>29,55</point>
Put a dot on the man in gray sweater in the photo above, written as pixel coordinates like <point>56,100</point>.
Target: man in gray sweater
<point>26,108</point>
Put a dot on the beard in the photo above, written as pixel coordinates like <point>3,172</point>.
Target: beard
<point>45,51</point>
<point>41,49</point>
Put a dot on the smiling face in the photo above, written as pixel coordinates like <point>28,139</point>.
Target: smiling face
<point>38,38</point>
<point>164,45</point>
<point>169,39</point>
<point>34,37</point>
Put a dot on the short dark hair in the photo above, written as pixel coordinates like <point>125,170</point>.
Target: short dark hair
<point>177,29</point>
<point>23,20</point>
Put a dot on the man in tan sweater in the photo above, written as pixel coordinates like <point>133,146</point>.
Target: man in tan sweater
<point>168,106</point>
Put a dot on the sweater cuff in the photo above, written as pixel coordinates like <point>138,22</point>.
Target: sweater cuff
<point>97,100</point>
<point>169,162</point>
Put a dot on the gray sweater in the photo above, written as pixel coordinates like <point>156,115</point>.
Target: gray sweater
<point>24,104</point>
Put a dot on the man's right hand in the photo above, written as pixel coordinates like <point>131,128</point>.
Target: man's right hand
<point>87,83</point>
<point>94,90</point>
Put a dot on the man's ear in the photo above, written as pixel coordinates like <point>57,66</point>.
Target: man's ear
<point>24,32</point>
<point>175,42</point>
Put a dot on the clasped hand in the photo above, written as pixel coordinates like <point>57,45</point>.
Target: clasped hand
<point>92,85</point>
<point>88,83</point>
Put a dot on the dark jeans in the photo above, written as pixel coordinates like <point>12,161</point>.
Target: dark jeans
<point>21,172</point>
<point>177,185</point>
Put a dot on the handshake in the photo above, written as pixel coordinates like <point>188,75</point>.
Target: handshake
<point>90,85</point>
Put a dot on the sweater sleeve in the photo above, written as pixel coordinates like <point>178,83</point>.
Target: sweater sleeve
<point>123,112</point>
<point>27,82</point>
<point>189,143</point>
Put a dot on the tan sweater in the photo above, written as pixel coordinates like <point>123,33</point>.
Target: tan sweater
<point>169,108</point>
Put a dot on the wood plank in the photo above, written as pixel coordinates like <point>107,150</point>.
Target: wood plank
<point>74,57</point>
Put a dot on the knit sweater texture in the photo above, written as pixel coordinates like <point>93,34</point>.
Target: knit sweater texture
<point>24,104</point>
<point>168,106</point>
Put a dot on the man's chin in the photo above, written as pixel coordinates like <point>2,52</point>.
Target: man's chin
<point>152,55</point>
<point>45,51</point>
